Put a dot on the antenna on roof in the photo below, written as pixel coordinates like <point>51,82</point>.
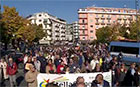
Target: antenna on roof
<point>93,5</point>
<point>124,6</point>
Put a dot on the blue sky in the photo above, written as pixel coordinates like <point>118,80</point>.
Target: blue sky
<point>65,9</point>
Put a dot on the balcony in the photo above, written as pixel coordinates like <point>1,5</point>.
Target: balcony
<point>83,34</point>
<point>103,18</point>
<point>130,18</point>
<point>97,23</point>
<point>48,32</point>
<point>96,17</point>
<point>102,23</point>
<point>109,18</point>
<point>108,23</point>
<point>119,18</point>
<point>124,18</point>
<point>82,23</point>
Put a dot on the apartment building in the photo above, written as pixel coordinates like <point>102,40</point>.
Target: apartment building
<point>92,18</point>
<point>53,27</point>
<point>73,29</point>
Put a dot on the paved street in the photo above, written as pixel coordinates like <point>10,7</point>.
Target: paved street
<point>20,80</point>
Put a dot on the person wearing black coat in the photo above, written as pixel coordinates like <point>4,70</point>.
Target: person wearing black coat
<point>99,81</point>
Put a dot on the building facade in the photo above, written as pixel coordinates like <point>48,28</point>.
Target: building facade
<point>92,18</point>
<point>54,27</point>
<point>73,31</point>
<point>69,32</point>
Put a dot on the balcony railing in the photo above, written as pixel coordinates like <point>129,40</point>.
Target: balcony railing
<point>97,23</point>
<point>102,23</point>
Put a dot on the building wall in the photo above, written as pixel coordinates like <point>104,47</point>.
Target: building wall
<point>53,27</point>
<point>92,18</point>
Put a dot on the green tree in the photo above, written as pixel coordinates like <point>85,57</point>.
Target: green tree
<point>38,32</point>
<point>135,30</point>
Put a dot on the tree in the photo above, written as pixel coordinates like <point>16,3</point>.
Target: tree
<point>30,32</point>
<point>106,34</point>
<point>38,32</point>
<point>17,27</point>
<point>135,30</point>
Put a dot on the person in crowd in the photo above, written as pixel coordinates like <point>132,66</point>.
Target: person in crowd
<point>66,69</point>
<point>81,85</point>
<point>50,68</point>
<point>3,74</point>
<point>97,68</point>
<point>114,74</point>
<point>129,77</point>
<point>121,72</point>
<point>28,63</point>
<point>57,60</point>
<point>93,62</point>
<point>43,62</point>
<point>78,80</point>
<point>11,71</point>
<point>64,58</point>
<point>31,76</point>
<point>137,78</point>
<point>37,63</point>
<point>100,82</point>
<point>25,58</point>
<point>86,67</point>
<point>73,66</point>
<point>81,59</point>
<point>60,68</point>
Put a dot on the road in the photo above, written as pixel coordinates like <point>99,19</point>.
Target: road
<point>20,79</point>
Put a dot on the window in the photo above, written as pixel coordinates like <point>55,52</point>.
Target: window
<point>97,27</point>
<point>102,21</point>
<point>83,21</point>
<point>40,20</point>
<point>96,15</point>
<point>102,15</point>
<point>83,38</point>
<point>113,21</point>
<point>83,27</point>
<point>91,20</point>
<point>91,31</point>
<point>97,21</point>
<point>83,15</point>
<point>91,25</point>
<point>124,11</point>
<point>130,50</point>
<point>40,15</point>
<point>108,21</point>
<point>91,37</point>
<point>90,14</point>
<point>45,25</point>
<point>83,32</point>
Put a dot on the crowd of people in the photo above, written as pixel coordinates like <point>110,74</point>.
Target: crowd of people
<point>72,59</point>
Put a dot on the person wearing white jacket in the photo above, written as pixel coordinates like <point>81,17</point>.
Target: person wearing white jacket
<point>94,62</point>
<point>3,68</point>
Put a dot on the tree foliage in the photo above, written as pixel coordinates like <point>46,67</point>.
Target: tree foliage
<point>15,26</point>
<point>115,32</point>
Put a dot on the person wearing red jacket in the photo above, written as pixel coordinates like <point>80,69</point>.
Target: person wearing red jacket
<point>11,71</point>
<point>60,68</point>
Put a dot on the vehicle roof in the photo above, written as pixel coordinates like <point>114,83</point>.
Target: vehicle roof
<point>125,44</point>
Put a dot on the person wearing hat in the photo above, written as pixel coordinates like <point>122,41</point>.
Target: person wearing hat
<point>11,71</point>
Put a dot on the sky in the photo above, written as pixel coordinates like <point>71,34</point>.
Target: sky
<point>65,9</point>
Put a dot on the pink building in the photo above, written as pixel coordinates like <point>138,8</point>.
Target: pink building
<point>92,18</point>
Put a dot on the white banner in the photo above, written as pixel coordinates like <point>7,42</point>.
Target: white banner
<point>65,80</point>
